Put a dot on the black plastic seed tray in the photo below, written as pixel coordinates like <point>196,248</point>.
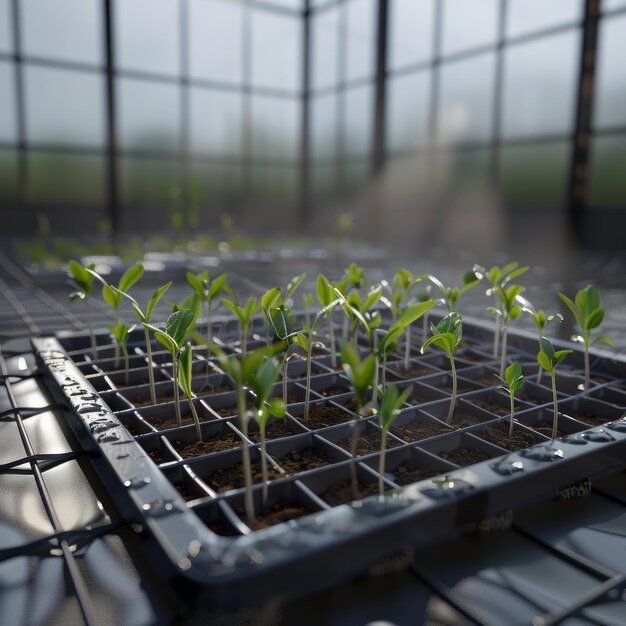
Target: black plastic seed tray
<point>440,479</point>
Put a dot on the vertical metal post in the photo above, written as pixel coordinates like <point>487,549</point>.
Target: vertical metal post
<point>380,102</point>
<point>20,111</point>
<point>579,166</point>
<point>113,205</point>
<point>305,160</point>
<point>246,70</point>
<point>342,66</point>
<point>435,70</point>
<point>494,165</point>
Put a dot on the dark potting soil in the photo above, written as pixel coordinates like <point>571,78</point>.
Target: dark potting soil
<point>412,372</point>
<point>229,478</point>
<point>139,401</point>
<point>302,460</point>
<point>499,435</point>
<point>496,409</point>
<point>461,387</point>
<point>342,493</point>
<point>545,428</point>
<point>184,492</point>
<point>589,418</point>
<point>476,357</point>
<point>229,411</point>
<point>172,422</point>
<point>156,456</point>
<point>406,474</point>
<point>130,427</point>
<point>464,420</point>
<point>275,430</point>
<point>415,431</point>
<point>334,391</point>
<point>279,513</point>
<point>322,415</point>
<point>488,381</point>
<point>366,444</point>
<point>226,441</point>
<point>465,456</point>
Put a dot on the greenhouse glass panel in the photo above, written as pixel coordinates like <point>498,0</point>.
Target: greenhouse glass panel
<point>275,127</point>
<point>154,127</point>
<point>276,51</point>
<point>6,19</point>
<point>468,25</point>
<point>527,16</point>
<point>408,111</point>
<point>147,35</point>
<point>359,120</point>
<point>325,49</point>
<point>411,32</point>
<point>323,133</point>
<point>216,122</point>
<point>361,19</point>
<point>610,103</point>
<point>68,30</point>
<point>216,40</point>
<point>539,96</point>
<point>607,180</point>
<point>466,100</point>
<point>8,120</point>
<point>64,107</point>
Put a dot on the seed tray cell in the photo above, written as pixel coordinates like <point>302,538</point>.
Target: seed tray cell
<point>441,477</point>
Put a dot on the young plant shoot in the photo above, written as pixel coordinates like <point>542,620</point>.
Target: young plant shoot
<point>541,320</point>
<point>447,335</point>
<point>244,314</point>
<point>241,369</point>
<point>284,322</point>
<point>389,409</point>
<point>354,278</point>
<point>450,295</point>
<point>548,359</point>
<point>513,381</point>
<point>261,382</point>
<point>207,290</point>
<point>83,279</point>
<point>325,296</point>
<point>268,301</point>
<point>113,296</point>
<point>185,376</point>
<point>501,277</point>
<point>508,310</point>
<point>589,315</point>
<point>173,338</point>
<point>121,332</point>
<point>145,318</point>
<point>360,373</point>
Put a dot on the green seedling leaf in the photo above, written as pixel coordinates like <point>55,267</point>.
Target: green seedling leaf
<point>607,340</point>
<point>284,322</point>
<point>269,298</point>
<point>81,276</point>
<point>178,325</point>
<point>390,404</point>
<point>154,299</point>
<point>594,319</point>
<point>293,284</point>
<point>130,277</point>
<point>185,370</point>
<point>513,377</point>
<point>324,291</point>
<point>277,407</point>
<point>359,372</point>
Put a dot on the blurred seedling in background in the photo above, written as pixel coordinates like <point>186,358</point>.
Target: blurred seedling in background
<point>549,359</point>
<point>513,381</point>
<point>83,279</point>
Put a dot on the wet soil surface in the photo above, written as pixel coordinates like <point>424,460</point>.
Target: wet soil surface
<point>463,420</point>
<point>279,513</point>
<point>499,435</point>
<point>156,456</point>
<point>214,444</point>
<point>589,418</point>
<point>465,456</point>
<point>412,372</point>
<point>172,422</point>
<point>366,444</point>
<point>184,492</point>
<point>415,431</point>
<point>322,415</point>
<point>342,493</point>
<point>406,474</point>
<point>545,428</point>
<point>496,409</point>
<point>275,430</point>
<point>303,460</point>
<point>232,477</point>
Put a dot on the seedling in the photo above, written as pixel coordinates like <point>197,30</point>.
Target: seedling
<point>283,320</point>
<point>244,313</point>
<point>325,296</point>
<point>403,282</point>
<point>360,373</point>
<point>173,338</point>
<point>145,318</point>
<point>185,378</point>
<point>447,335</point>
<point>541,319</point>
<point>261,382</point>
<point>450,295</point>
<point>389,409</point>
<point>353,278</point>
<point>501,277</point>
<point>113,296</point>
<point>240,368</point>
<point>207,290</point>
<point>83,279</point>
<point>121,332</point>
<point>589,314</point>
<point>549,359</point>
<point>307,305</point>
<point>513,381</point>
<point>359,310</point>
<point>268,301</point>
<point>509,310</point>
<point>389,342</point>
